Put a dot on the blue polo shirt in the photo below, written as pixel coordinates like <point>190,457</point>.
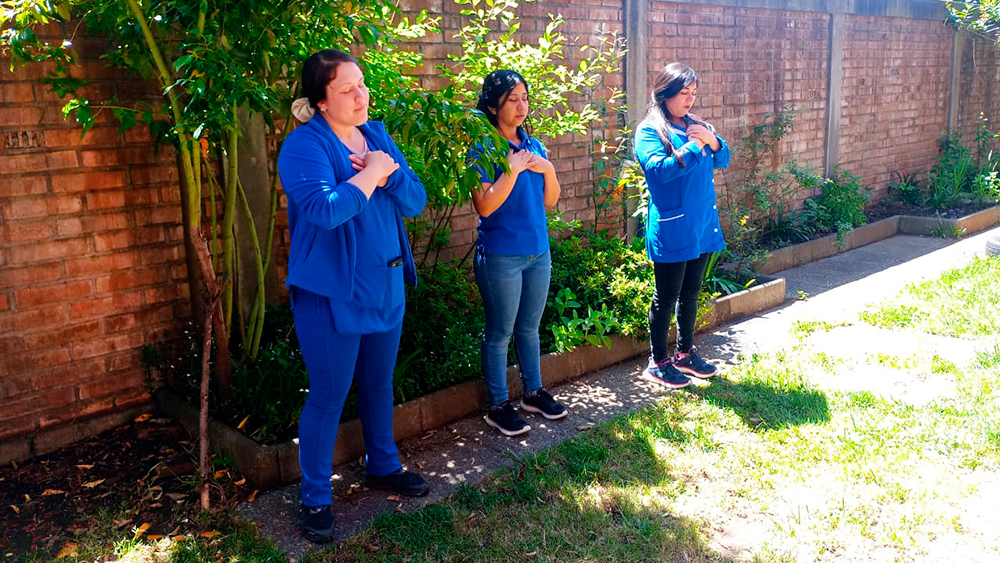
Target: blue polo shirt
<point>519,226</point>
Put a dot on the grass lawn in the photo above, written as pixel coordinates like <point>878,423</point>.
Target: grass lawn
<point>774,462</point>
<point>814,453</point>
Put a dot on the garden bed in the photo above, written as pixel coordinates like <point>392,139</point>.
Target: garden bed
<point>803,253</point>
<point>267,466</point>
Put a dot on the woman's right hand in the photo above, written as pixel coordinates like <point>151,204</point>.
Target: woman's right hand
<point>520,161</point>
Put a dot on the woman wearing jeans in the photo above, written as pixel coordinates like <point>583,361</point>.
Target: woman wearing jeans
<point>678,153</point>
<point>512,263</point>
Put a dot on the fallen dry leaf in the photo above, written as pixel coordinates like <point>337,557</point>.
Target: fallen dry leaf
<point>15,509</point>
<point>143,417</point>
<point>120,522</point>
<point>141,529</point>
<point>240,482</point>
<point>175,531</point>
<point>92,484</point>
<point>243,422</point>
<point>91,466</point>
<point>27,498</point>
<point>154,537</point>
<point>209,534</point>
<point>176,496</point>
<point>252,496</point>
<point>531,554</point>
<point>69,549</point>
<point>221,472</point>
<point>50,492</point>
<point>429,434</point>
<point>585,427</point>
<point>178,537</point>
<point>394,498</point>
<point>372,547</point>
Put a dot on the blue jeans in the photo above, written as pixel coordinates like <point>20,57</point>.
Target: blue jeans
<point>514,290</point>
<point>335,360</point>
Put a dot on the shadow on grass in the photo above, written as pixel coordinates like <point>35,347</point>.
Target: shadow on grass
<point>605,495</point>
<point>763,405</point>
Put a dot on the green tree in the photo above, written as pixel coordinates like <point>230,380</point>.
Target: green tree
<point>981,17</point>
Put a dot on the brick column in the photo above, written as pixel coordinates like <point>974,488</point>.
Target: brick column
<point>636,15</point>
<point>955,84</point>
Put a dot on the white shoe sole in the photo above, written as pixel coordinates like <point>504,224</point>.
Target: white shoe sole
<point>504,431</point>
<point>692,373</point>
<point>536,410</point>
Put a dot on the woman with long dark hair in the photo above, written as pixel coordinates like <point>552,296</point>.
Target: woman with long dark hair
<point>348,189</point>
<point>678,152</point>
<point>512,263</point>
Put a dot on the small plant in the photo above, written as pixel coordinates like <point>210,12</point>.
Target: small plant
<point>840,206</point>
<point>947,230</point>
<point>908,188</point>
<point>572,330</point>
<point>951,174</point>
<point>720,281</point>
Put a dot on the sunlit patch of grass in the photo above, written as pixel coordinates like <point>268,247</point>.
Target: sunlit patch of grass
<point>803,329</point>
<point>961,302</point>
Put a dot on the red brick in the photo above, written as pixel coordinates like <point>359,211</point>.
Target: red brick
<point>119,323</point>
<point>25,231</point>
<point>132,399</point>
<point>63,335</point>
<point>56,205</point>
<point>128,279</point>
<point>118,199</point>
<point>39,162</point>
<point>3,302</point>
<point>157,215</point>
<point>35,361</point>
<point>24,116</point>
<point>66,291</point>
<point>158,315</point>
<point>61,416</point>
<point>67,373</point>
<point>30,275</point>
<point>16,91</point>
<point>124,239</point>
<point>23,254</point>
<point>170,292</point>
<point>19,426</point>
<point>20,321</point>
<point>101,264</point>
<point>88,181</point>
<point>71,137</point>
<point>122,381</point>
<point>107,345</point>
<point>118,303</point>
<point>150,175</point>
<point>131,360</point>
<point>159,255</point>
<point>23,185</point>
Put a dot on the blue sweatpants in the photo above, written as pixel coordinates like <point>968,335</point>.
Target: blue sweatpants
<point>333,361</point>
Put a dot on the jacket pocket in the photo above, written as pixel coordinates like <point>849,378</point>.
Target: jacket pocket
<point>672,230</point>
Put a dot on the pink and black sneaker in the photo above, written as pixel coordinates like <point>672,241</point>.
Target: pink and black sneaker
<point>665,374</point>
<point>692,364</point>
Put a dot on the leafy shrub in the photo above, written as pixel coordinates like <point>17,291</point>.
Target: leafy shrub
<point>951,175</point>
<point>840,206</point>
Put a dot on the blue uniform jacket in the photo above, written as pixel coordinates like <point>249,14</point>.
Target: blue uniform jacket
<point>683,220</point>
<point>322,206</point>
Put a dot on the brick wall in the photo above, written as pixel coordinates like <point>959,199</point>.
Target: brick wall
<point>895,96</point>
<point>91,255</point>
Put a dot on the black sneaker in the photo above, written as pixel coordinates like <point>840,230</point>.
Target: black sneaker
<point>692,364</point>
<point>665,374</point>
<point>542,403</point>
<point>316,524</point>
<point>402,482</point>
<point>504,418</point>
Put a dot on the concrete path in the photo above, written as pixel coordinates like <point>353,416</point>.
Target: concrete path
<point>465,452</point>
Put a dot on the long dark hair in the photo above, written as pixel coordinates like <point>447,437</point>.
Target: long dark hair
<point>319,70</point>
<point>668,83</point>
<point>497,87</point>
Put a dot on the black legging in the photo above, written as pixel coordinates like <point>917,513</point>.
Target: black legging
<point>677,283</point>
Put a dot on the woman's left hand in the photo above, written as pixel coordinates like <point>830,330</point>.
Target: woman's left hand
<point>358,163</point>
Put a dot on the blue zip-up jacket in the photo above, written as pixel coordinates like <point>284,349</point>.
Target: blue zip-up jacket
<point>683,219</point>
<point>323,207</point>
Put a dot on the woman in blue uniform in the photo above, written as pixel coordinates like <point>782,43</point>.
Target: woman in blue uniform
<point>678,153</point>
<point>512,263</point>
<point>348,189</point>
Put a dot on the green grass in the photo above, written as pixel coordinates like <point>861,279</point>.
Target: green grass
<point>962,302</point>
<point>840,472</point>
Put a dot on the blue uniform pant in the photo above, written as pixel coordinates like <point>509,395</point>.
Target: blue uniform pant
<point>514,291</point>
<point>335,360</point>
